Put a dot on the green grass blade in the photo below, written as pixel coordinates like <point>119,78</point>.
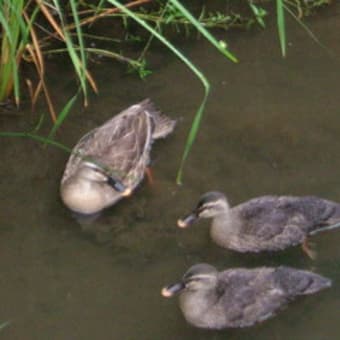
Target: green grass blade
<point>26,28</point>
<point>191,138</point>
<point>194,69</point>
<point>37,138</point>
<point>220,45</point>
<point>39,123</point>
<point>280,18</point>
<point>16,82</point>
<point>102,52</point>
<point>99,7</point>
<point>76,61</point>
<point>5,27</point>
<point>7,59</point>
<point>81,44</point>
<point>62,115</point>
<point>16,24</point>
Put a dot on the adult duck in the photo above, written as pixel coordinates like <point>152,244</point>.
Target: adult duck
<point>266,223</point>
<point>110,161</point>
<point>240,297</point>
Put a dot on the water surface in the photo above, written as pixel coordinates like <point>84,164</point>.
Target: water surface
<point>271,126</point>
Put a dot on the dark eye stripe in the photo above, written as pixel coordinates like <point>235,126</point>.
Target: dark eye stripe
<point>204,207</point>
<point>209,205</point>
<point>197,278</point>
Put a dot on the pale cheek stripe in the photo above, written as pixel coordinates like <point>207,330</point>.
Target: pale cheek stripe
<point>202,276</point>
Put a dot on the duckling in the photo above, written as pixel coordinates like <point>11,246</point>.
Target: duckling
<point>267,223</point>
<point>109,162</point>
<point>240,297</point>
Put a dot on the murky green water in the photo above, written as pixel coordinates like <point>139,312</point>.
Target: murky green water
<point>271,126</point>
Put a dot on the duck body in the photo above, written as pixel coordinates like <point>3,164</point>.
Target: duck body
<point>266,223</point>
<point>109,162</point>
<point>240,297</point>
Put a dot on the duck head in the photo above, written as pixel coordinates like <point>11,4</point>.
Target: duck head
<point>90,189</point>
<point>210,205</point>
<point>199,277</point>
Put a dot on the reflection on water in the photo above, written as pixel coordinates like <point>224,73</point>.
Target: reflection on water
<point>271,126</point>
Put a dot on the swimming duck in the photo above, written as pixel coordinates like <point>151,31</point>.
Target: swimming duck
<point>266,223</point>
<point>110,161</point>
<point>240,297</point>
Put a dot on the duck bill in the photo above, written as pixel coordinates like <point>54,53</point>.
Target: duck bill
<point>173,289</point>
<point>187,221</point>
<point>127,192</point>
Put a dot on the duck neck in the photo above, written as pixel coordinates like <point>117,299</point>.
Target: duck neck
<point>196,304</point>
<point>224,227</point>
<point>224,220</point>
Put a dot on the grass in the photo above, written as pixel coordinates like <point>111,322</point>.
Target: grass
<point>11,48</point>
<point>75,47</point>
<point>281,25</point>
<point>37,138</point>
<point>30,29</point>
<point>21,42</point>
<point>221,47</point>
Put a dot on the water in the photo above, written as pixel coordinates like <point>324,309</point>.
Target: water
<point>271,126</point>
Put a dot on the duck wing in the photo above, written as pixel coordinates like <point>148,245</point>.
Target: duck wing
<point>122,144</point>
<point>126,150</point>
<point>279,221</point>
<point>253,295</point>
<point>247,296</point>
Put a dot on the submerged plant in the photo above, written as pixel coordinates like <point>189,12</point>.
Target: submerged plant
<point>4,325</point>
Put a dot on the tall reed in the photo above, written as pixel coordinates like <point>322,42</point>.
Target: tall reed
<point>11,47</point>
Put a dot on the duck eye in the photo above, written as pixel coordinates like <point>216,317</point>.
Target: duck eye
<point>116,184</point>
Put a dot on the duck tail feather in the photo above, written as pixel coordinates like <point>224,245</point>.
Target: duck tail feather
<point>325,227</point>
<point>162,124</point>
<point>301,282</point>
<point>329,220</point>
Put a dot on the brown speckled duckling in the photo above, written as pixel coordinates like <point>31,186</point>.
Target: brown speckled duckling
<point>266,223</point>
<point>110,161</point>
<point>240,297</point>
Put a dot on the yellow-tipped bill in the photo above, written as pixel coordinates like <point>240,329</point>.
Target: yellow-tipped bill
<point>181,223</point>
<point>173,289</point>
<point>127,192</point>
<point>187,221</point>
<point>166,293</point>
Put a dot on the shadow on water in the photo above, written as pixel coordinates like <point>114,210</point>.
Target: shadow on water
<point>271,126</point>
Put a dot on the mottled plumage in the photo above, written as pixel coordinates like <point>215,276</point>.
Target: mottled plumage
<point>264,223</point>
<point>240,297</point>
<point>110,160</point>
